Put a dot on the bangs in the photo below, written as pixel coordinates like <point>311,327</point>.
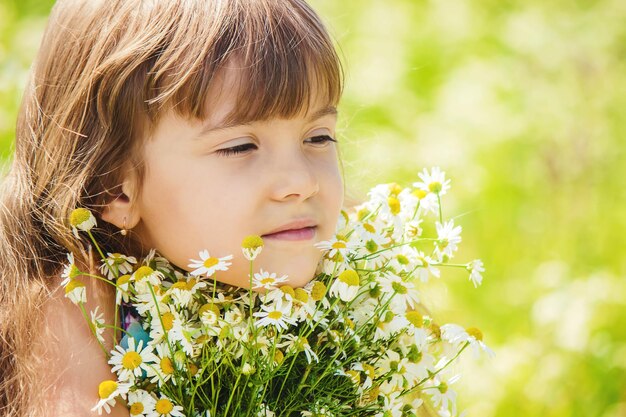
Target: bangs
<point>281,51</point>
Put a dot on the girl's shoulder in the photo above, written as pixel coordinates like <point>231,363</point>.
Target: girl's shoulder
<point>69,360</point>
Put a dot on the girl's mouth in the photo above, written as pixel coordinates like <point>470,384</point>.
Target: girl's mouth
<point>306,233</point>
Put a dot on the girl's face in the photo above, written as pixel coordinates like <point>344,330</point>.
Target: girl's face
<point>208,187</point>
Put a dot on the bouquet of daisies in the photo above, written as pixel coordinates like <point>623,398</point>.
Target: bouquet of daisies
<point>356,341</point>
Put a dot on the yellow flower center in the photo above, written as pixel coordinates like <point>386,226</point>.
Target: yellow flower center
<point>209,307</point>
<point>402,260</point>
<point>369,370</point>
<point>361,214</point>
<point>399,288</point>
<point>252,242</point>
<point>394,205</point>
<point>395,188</point>
<point>318,291</point>
<point>301,295</point>
<point>123,279</point>
<point>339,245</point>
<point>279,357</point>
<point>268,280</point>
<point>302,343</point>
<point>443,388</point>
<point>191,283</point>
<point>168,321</point>
<point>143,272</point>
<point>136,409</point>
<point>436,330</point>
<point>106,388</point>
<point>131,360</point>
<point>475,333</point>
<point>164,406</point>
<point>355,376</point>
<point>167,366</point>
<point>419,193</point>
<point>181,285</point>
<point>79,216</point>
<point>74,271</point>
<point>371,246</point>
<point>435,186</point>
<point>369,227</point>
<point>287,289</point>
<point>210,262</point>
<point>415,318</point>
<point>275,315</point>
<point>193,369</point>
<point>389,316</point>
<point>349,277</point>
<point>72,285</point>
<point>117,258</point>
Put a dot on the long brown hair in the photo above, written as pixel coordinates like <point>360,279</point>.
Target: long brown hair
<point>105,72</point>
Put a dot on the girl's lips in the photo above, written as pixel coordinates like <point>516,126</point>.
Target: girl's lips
<point>306,233</point>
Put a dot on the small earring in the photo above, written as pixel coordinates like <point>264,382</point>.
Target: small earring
<point>124,232</point>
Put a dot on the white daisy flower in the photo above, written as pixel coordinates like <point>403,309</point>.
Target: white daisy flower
<point>252,246</point>
<point>117,264</point>
<point>413,229</point>
<point>434,181</point>
<point>122,290</point>
<point>159,261</point>
<point>346,285</point>
<point>428,202</point>
<point>337,245</point>
<point>82,219</point>
<point>70,271</point>
<point>75,291</point>
<point>402,258</point>
<point>140,403</point>
<point>295,343</point>
<point>476,270</point>
<point>108,392</point>
<point>164,407</point>
<point>185,332</point>
<point>378,195</point>
<point>457,335</point>
<point>162,371</point>
<point>276,314</point>
<point>392,407</point>
<point>426,267</point>
<point>129,363</point>
<point>442,395</point>
<point>182,291</point>
<point>266,280</point>
<point>208,265</point>
<point>145,275</point>
<point>97,322</point>
<point>160,324</point>
<point>372,230</point>
<point>403,293</point>
<point>145,302</point>
<point>448,237</point>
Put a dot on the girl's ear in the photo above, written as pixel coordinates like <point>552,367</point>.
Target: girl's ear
<point>123,210</point>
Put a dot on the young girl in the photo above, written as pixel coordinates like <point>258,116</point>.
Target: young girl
<point>183,125</point>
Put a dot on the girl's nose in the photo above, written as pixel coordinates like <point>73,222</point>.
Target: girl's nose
<point>294,178</point>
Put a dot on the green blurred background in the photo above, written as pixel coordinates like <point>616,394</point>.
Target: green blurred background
<point>523,104</point>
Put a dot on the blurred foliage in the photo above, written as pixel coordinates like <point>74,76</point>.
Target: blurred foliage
<point>522,104</point>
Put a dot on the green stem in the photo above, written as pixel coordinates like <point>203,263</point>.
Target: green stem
<point>92,328</point>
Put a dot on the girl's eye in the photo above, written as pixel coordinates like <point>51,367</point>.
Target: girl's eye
<point>322,139</point>
<point>236,149</point>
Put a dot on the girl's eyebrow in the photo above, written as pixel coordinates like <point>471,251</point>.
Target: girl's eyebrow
<point>324,111</point>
